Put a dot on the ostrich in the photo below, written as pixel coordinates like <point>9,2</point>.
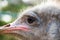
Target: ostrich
<point>41,22</point>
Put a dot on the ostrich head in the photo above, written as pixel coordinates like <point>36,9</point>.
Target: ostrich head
<point>38,23</point>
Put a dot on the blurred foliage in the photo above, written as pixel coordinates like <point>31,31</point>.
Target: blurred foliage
<point>1,37</point>
<point>7,37</point>
<point>14,8</point>
<point>2,23</point>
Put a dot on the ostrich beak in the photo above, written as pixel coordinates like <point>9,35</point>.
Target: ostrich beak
<point>9,28</point>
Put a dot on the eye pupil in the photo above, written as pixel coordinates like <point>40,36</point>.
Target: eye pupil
<point>31,20</point>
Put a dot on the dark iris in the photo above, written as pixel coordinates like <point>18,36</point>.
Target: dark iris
<point>31,20</point>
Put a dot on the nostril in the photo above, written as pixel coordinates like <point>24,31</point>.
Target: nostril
<point>7,25</point>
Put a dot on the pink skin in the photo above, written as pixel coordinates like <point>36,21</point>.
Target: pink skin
<point>14,28</point>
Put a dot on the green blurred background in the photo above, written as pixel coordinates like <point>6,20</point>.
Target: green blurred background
<point>9,11</point>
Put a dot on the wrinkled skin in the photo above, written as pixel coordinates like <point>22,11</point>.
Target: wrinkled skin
<point>43,23</point>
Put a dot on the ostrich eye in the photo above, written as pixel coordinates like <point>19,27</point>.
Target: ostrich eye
<point>30,20</point>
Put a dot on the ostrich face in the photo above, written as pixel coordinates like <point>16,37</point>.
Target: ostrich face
<point>36,23</point>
